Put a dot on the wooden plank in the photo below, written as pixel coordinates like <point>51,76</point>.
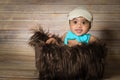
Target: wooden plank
<point>52,16</point>
<point>110,58</point>
<point>16,58</point>
<point>112,70</point>
<point>106,25</point>
<point>20,74</point>
<point>54,2</point>
<point>113,42</point>
<point>13,45</point>
<point>4,78</point>
<point>25,49</point>
<point>27,59</point>
<point>112,74</point>
<point>21,16</point>
<point>28,52</point>
<point>19,53</point>
<point>54,24</point>
<point>6,72</point>
<point>23,52</point>
<point>112,66</point>
<point>22,48</point>
<point>106,17</point>
<point>15,36</point>
<point>106,34</point>
<point>113,48</point>
<point>116,77</point>
<point>29,32</point>
<point>102,34</point>
<point>109,77</point>
<point>25,44</point>
<point>57,8</point>
<point>17,25</point>
<point>17,66</point>
<point>27,25</point>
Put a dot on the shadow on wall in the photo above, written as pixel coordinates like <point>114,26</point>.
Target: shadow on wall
<point>112,61</point>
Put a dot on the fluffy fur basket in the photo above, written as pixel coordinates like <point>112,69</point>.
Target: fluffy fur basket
<point>60,62</point>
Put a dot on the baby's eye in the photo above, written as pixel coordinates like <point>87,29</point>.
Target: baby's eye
<point>84,22</point>
<point>75,22</point>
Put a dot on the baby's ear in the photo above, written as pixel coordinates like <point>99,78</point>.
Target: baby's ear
<point>69,22</point>
<point>90,25</point>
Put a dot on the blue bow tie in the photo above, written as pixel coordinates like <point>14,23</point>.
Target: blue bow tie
<point>71,36</point>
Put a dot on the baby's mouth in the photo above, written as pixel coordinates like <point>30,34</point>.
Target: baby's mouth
<point>78,30</point>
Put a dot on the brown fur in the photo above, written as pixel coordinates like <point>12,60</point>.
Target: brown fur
<point>60,62</point>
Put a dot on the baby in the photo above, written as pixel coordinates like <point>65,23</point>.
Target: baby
<point>80,20</point>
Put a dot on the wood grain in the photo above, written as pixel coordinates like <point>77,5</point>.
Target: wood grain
<point>62,2</point>
<point>47,9</point>
<point>18,17</point>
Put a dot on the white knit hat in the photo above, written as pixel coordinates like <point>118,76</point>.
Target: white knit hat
<point>77,12</point>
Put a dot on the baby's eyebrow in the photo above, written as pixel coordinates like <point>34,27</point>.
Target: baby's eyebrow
<point>75,19</point>
<point>86,20</point>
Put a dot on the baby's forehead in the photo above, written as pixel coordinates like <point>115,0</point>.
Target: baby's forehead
<point>80,18</point>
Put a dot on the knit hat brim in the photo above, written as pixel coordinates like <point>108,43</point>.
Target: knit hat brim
<point>80,12</point>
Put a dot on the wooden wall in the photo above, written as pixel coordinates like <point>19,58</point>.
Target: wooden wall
<point>17,17</point>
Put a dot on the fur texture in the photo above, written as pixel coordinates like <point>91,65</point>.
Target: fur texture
<point>60,62</point>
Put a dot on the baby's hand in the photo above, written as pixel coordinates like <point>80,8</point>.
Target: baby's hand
<point>51,40</point>
<point>73,43</point>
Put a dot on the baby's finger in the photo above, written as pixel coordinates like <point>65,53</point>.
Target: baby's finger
<point>50,35</point>
<point>48,41</point>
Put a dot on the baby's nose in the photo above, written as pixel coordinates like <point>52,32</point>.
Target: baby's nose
<point>79,25</point>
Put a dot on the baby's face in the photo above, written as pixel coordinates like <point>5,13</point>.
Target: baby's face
<point>79,26</point>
